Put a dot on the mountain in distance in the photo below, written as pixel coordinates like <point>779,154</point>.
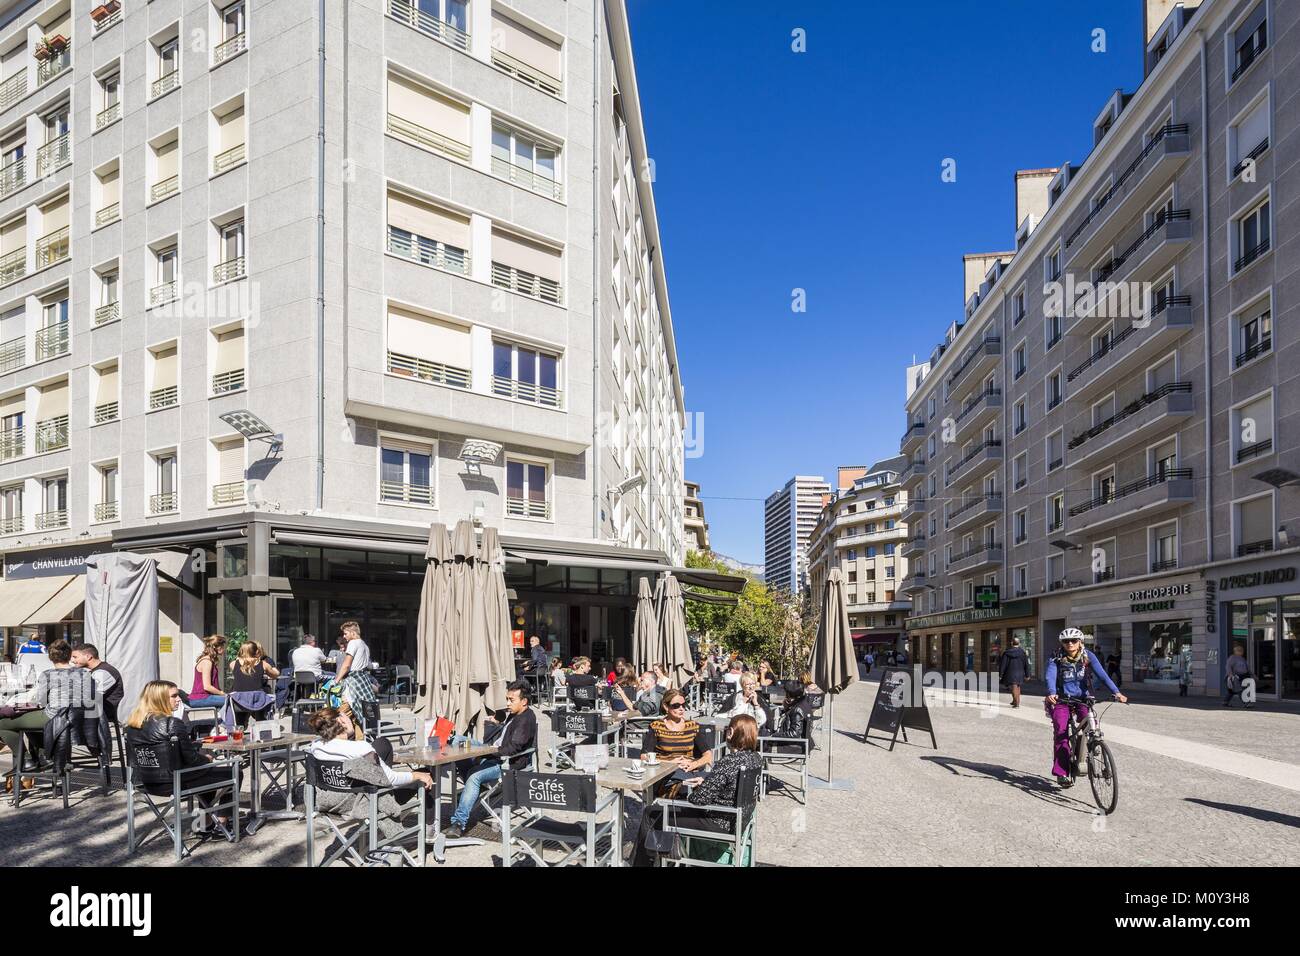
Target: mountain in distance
<point>755,570</point>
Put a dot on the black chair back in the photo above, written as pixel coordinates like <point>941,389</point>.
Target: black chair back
<point>549,791</point>
<point>302,711</point>
<point>584,698</point>
<point>153,763</point>
<point>370,717</point>
<point>708,736</point>
<point>816,701</point>
<point>584,722</point>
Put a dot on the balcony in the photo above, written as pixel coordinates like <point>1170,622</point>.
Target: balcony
<point>1250,157</point>
<point>106,511</point>
<point>428,252</point>
<point>110,14</point>
<point>1254,450</point>
<point>228,493</point>
<point>976,461</point>
<point>163,397</point>
<point>527,508</point>
<point>895,533</point>
<point>110,213</point>
<point>1105,574</point>
<point>53,248</point>
<point>106,413</point>
<point>229,49</point>
<point>877,607</point>
<point>13,354</point>
<point>164,84</point>
<point>13,89</point>
<point>878,513</point>
<point>973,509</point>
<point>914,510</point>
<point>231,381</point>
<point>404,493</point>
<point>980,357</point>
<point>1262,347</point>
<point>978,557</point>
<point>12,443</point>
<point>162,504</point>
<point>423,369</point>
<point>452,149</point>
<point>108,313</point>
<point>913,438</point>
<point>1170,319</point>
<point>1153,251</point>
<point>525,283</point>
<point>46,520</point>
<point>980,410</point>
<point>51,341</point>
<point>108,116</point>
<point>526,391</point>
<point>915,469</point>
<point>53,67</point>
<point>52,435</point>
<point>1135,188</point>
<point>228,159</point>
<point>13,177</point>
<point>527,74</point>
<point>11,525</point>
<point>1162,491</point>
<point>164,293</point>
<point>1167,565</point>
<point>912,583</point>
<point>164,188</point>
<point>545,185</point>
<point>13,266</point>
<point>229,271</point>
<point>1151,414</point>
<point>913,545</point>
<point>54,155</point>
<point>406,12</point>
<point>1254,547</point>
<point>1251,254</point>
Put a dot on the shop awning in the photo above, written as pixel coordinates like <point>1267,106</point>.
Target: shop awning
<point>19,600</point>
<point>61,603</point>
<point>696,577</point>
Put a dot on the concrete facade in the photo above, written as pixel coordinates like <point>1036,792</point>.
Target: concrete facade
<point>788,519</point>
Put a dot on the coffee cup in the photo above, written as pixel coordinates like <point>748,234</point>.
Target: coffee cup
<point>636,766</point>
<point>651,758</point>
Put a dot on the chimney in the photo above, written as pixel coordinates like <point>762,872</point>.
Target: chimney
<point>1031,193</point>
<point>848,474</point>
<point>1154,16</point>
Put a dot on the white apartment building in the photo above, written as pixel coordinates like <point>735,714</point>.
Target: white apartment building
<point>788,519</point>
<point>284,282</point>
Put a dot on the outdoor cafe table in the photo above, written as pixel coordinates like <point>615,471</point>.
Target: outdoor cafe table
<point>614,776</point>
<point>434,759</point>
<point>289,743</point>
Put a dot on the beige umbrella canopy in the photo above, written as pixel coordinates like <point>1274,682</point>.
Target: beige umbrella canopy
<point>470,671</point>
<point>645,628</point>
<point>491,573</point>
<point>674,647</point>
<point>433,630</point>
<point>833,666</point>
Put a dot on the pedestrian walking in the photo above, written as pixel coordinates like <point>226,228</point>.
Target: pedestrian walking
<point>1013,669</point>
<point>1113,660</point>
<point>1184,672</point>
<point>869,659</point>
<point>1236,673</point>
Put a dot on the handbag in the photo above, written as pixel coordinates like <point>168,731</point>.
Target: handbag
<point>663,843</point>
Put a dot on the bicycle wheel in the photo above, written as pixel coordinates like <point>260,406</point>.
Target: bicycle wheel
<point>1103,775</point>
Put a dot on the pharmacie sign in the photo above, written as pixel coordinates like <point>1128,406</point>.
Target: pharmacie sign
<point>971,615</point>
<point>1160,598</point>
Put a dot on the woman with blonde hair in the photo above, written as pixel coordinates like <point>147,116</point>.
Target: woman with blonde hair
<point>206,688</point>
<point>251,669</point>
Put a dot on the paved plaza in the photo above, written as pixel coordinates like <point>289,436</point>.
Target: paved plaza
<point>1200,785</point>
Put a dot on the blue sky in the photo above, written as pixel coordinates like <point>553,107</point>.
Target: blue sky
<point>777,170</point>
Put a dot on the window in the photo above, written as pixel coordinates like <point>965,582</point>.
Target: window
<point>231,262</point>
<point>1251,236</point>
<point>1052,390</point>
<point>1018,311</point>
<point>1253,525</point>
<point>1254,333</point>
<point>52,337</point>
<point>853,554</point>
<point>11,509</point>
<point>166,287</point>
<point>1248,137</point>
<point>163,162</point>
<point>1020,470</point>
<point>54,500</point>
<point>1164,547</point>
<point>1164,458</point>
<point>1055,450</point>
<point>1052,331</point>
<point>447,20</point>
<point>167,75</point>
<point>1021,526</point>
<point>108,309</point>
<point>930,446</point>
<point>228,135</point>
<point>929,407</point>
<point>106,506</point>
<point>428,235</point>
<point>527,374</point>
<point>110,100</point>
<point>525,54</point>
<point>233,33</point>
<point>1018,361</point>
<point>405,470</point>
<point>105,399</point>
<point>1021,578</point>
<point>163,392</point>
<point>525,161</point>
<point>165,498</point>
<point>1055,513</point>
<point>527,490</point>
<point>1249,40</point>
<point>1020,419</point>
<point>1104,485</point>
<point>1052,265</point>
<point>1252,429</point>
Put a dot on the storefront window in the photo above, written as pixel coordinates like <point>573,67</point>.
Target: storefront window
<point>1165,654</point>
<point>549,578</point>
<point>392,568</point>
<point>234,560</point>
<point>583,579</point>
<point>1289,665</point>
<point>234,620</point>
<point>345,565</point>
<point>616,582</point>
<point>547,621</point>
<point>1028,644</point>
<point>289,561</point>
<point>1263,640</point>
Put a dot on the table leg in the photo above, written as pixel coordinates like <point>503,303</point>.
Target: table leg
<point>439,850</point>
<point>255,820</point>
<point>620,809</point>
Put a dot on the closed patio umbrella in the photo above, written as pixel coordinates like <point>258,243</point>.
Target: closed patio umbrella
<point>490,570</point>
<point>674,646</point>
<point>470,669</point>
<point>433,650</point>
<point>645,628</point>
<point>833,666</point>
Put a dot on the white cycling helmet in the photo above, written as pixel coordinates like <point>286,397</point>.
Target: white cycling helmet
<point>1071,634</point>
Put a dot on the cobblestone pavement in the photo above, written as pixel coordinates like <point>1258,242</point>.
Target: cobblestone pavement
<point>982,798</point>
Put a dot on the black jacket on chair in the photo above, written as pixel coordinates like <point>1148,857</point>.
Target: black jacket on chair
<point>156,732</point>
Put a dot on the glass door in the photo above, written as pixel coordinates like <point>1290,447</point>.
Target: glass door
<point>1288,664</point>
<point>1263,646</point>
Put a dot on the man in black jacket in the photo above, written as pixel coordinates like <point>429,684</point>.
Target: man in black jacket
<point>517,734</point>
<point>1013,669</point>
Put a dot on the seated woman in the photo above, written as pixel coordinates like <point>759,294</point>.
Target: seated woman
<point>206,689</point>
<point>673,737</point>
<point>623,696</point>
<point>747,701</point>
<point>57,688</point>
<point>766,677</point>
<point>251,676</point>
<point>152,722</point>
<point>796,715</point>
<point>557,673</point>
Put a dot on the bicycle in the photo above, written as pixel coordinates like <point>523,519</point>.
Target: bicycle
<point>1103,773</point>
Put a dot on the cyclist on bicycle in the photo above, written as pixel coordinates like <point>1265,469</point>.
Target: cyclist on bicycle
<point>1070,675</point>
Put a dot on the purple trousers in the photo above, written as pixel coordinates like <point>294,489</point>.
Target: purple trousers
<point>1060,714</point>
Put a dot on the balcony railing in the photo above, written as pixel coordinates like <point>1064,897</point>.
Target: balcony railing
<point>538,183</point>
<point>1169,129</point>
<point>13,266</point>
<point>52,435</point>
<point>527,507</point>
<point>229,49</point>
<point>231,381</point>
<point>228,159</point>
<point>1250,157</point>
<point>52,519</point>
<point>106,511</point>
<point>105,22</point>
<point>1159,478</point>
<point>163,397</point>
<point>110,213</point>
<point>526,391</point>
<point>53,66</point>
<point>164,84</point>
<point>525,283</point>
<point>162,294</point>
<point>1251,254</point>
<point>1254,547</point>
<point>53,248</point>
<point>427,371</point>
<point>1255,450</point>
<point>528,74</point>
<point>1166,565</point>
<point>108,313</point>
<point>1255,351</point>
<point>13,89</point>
<point>163,503</point>
<point>229,271</point>
<point>1105,574</point>
<point>407,13</point>
<point>993,500</point>
<point>13,354</point>
<point>401,492</point>
<point>108,116</point>
<point>428,252</point>
<point>228,493</point>
<point>12,443</point>
<point>989,345</point>
<point>1150,398</point>
<point>13,177</point>
<point>916,429</point>
<point>977,401</point>
<point>51,341</point>
<point>11,525</point>
<point>54,155</point>
<point>1163,219</point>
<point>972,455</point>
<point>1249,56</point>
<point>164,188</point>
<point>1131,329</point>
<point>106,413</point>
<point>437,142</point>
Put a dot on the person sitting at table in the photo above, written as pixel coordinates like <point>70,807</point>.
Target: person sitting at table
<point>58,688</point>
<point>152,722</point>
<point>766,677</point>
<point>206,688</point>
<point>340,651</point>
<point>307,657</point>
<point>733,672</point>
<point>580,674</point>
<point>675,738</point>
<point>796,712</point>
<point>718,789</point>
<point>536,662</point>
<point>558,677</point>
<point>809,687</point>
<point>512,737</point>
<point>108,681</point>
<point>251,670</point>
<point>624,690</point>
<point>747,702</point>
<point>662,680</point>
<point>648,697</point>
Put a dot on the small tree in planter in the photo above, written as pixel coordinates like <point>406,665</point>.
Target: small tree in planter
<point>51,46</point>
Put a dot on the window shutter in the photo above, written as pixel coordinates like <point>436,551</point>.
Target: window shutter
<point>230,351</point>
<point>164,368</point>
<point>516,40</point>
<point>528,256</point>
<point>424,220</point>
<point>428,338</point>
<point>53,402</point>
<point>106,387</point>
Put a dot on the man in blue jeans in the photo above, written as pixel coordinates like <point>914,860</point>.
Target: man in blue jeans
<point>518,733</point>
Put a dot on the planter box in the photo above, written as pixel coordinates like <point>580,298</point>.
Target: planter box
<point>105,10</point>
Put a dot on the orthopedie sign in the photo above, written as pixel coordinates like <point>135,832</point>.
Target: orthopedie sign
<point>25,565</point>
<point>899,704</point>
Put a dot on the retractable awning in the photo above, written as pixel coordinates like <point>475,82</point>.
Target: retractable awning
<point>61,604</point>
<point>19,600</point>
<point>695,577</point>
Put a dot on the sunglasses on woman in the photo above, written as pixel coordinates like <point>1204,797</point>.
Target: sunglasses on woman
<point>677,704</point>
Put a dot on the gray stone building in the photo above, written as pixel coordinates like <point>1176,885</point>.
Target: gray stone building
<point>1110,433</point>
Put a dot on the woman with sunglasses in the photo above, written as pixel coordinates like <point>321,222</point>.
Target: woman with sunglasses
<point>675,738</point>
<point>1070,675</point>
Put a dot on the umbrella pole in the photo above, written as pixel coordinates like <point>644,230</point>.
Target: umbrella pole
<point>830,783</point>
